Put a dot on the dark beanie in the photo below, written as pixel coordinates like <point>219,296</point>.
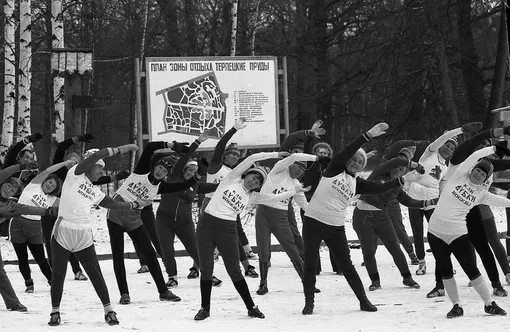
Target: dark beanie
<point>486,166</point>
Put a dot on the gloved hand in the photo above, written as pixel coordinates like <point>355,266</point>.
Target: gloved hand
<point>324,160</point>
<point>316,129</point>
<point>431,202</point>
<point>127,148</point>
<point>52,211</point>
<point>86,138</point>
<point>417,167</point>
<point>203,164</point>
<point>501,150</point>
<point>239,124</point>
<point>472,127</point>
<point>30,166</point>
<point>378,130</point>
<point>181,148</point>
<point>34,137</point>
<point>122,175</point>
<point>283,154</point>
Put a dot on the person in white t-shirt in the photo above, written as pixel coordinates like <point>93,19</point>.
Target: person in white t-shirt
<point>448,233</point>
<point>272,217</point>
<point>73,229</point>
<point>25,230</point>
<point>217,227</point>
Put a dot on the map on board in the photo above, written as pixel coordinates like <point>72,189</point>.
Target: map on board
<point>194,106</point>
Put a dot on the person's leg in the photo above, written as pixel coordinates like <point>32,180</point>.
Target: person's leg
<point>395,215</point>
<point>75,266</point>
<point>22,255</point>
<point>263,237</point>
<point>362,222</point>
<point>282,232</point>
<point>416,220</point>
<point>205,247</point>
<point>150,226</point>
<point>116,233</point>
<point>497,247</point>
<point>298,239</point>
<point>187,234</point>
<point>312,239</point>
<point>37,251</point>
<point>166,231</point>
<point>47,223</point>
<point>58,273</point>
<point>6,291</point>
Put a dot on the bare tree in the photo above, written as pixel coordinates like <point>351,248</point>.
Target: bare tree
<point>57,15</point>
<point>25,68</point>
<point>10,77</point>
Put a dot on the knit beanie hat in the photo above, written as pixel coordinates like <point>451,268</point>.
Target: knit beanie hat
<point>232,148</point>
<point>486,166</point>
<point>453,140</point>
<point>298,145</point>
<point>300,163</point>
<point>363,155</point>
<point>166,162</point>
<point>408,152</point>
<point>259,170</point>
<point>323,145</point>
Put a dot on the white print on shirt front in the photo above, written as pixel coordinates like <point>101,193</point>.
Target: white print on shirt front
<point>465,194</point>
<point>86,190</point>
<point>233,199</point>
<point>139,190</point>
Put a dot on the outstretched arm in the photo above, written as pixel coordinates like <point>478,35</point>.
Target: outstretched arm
<point>52,169</point>
<point>89,162</point>
<point>217,158</point>
<point>371,187</point>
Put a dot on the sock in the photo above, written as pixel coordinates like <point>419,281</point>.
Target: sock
<point>242,289</point>
<point>55,309</point>
<point>450,285</point>
<point>481,288</point>
<point>107,308</point>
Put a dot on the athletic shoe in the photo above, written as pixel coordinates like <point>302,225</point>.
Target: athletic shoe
<point>125,299</point>
<point>111,318</point>
<point>414,259</point>
<point>172,283</point>
<point>436,292</point>
<point>193,273</point>
<point>494,309</point>
<point>30,286</point>
<point>250,272</point>
<point>216,282</point>
<point>409,282</point>
<point>422,268</point>
<point>456,311</point>
<point>54,319</point>
<point>308,309</point>
<point>316,290</point>
<point>499,291</point>
<point>80,276</point>
<point>255,313</point>
<point>376,284</point>
<point>18,307</point>
<point>143,269</point>
<point>169,296</point>
<point>202,314</point>
<point>366,305</point>
<point>251,255</point>
<point>262,289</point>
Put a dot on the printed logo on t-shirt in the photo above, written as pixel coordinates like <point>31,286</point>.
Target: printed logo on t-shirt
<point>343,189</point>
<point>87,190</point>
<point>464,194</point>
<point>39,200</point>
<point>436,172</point>
<point>218,179</point>
<point>279,191</point>
<point>233,199</point>
<point>139,190</point>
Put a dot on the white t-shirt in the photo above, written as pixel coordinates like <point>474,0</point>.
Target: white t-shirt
<point>217,177</point>
<point>459,196</point>
<point>230,198</point>
<point>279,181</point>
<point>331,199</point>
<point>33,195</point>
<point>138,186</point>
<point>78,197</point>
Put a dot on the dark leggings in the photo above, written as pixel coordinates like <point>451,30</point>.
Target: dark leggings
<point>491,231</point>
<point>218,233</point>
<point>243,239</point>
<point>416,220</point>
<point>150,226</point>
<point>507,210</point>
<point>37,251</point>
<point>47,223</point>
<point>88,259</point>
<point>461,248</point>
<point>395,215</point>
<point>477,236</point>
<point>141,239</point>
<point>313,233</point>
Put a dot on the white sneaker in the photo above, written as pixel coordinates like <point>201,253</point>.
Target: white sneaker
<point>422,268</point>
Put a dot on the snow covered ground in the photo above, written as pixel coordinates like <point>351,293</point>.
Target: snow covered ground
<point>336,308</point>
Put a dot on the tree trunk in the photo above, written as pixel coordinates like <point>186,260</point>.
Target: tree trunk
<point>446,82</point>
<point>233,35</point>
<point>10,78</point>
<point>57,28</point>
<point>255,27</point>
<point>25,69</point>
<point>500,70</point>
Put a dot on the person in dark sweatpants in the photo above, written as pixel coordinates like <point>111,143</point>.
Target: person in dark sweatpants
<point>371,217</point>
<point>326,212</point>
<point>149,222</point>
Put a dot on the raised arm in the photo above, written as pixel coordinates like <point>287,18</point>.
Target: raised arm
<point>89,162</point>
<point>471,161</point>
<point>372,187</point>
<point>52,169</point>
<point>337,164</point>
<point>8,172</point>
<point>469,146</point>
<point>217,158</point>
<point>13,209</point>
<point>247,162</point>
<point>286,162</point>
<point>387,166</point>
<point>395,148</point>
